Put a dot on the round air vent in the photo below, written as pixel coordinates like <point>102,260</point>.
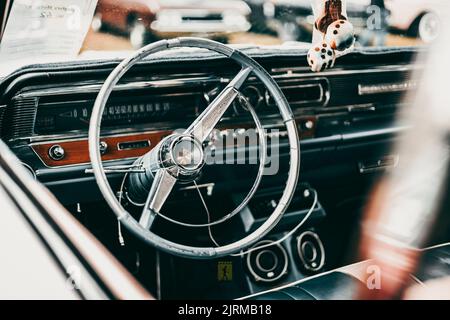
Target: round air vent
<point>268,264</point>
<point>310,251</point>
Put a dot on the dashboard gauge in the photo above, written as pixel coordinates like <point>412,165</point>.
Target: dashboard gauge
<point>253,96</point>
<point>57,117</point>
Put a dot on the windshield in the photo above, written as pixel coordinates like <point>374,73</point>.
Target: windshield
<point>119,25</point>
<point>74,27</point>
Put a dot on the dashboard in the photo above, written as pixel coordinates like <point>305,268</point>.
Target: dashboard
<point>157,98</point>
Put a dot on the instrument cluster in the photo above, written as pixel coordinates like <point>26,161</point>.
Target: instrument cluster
<point>59,117</point>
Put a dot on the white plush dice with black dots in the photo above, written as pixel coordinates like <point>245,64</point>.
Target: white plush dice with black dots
<point>321,56</point>
<point>340,35</point>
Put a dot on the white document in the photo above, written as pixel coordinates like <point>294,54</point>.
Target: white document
<point>45,31</point>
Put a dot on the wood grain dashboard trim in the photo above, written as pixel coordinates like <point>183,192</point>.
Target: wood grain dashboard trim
<point>77,151</point>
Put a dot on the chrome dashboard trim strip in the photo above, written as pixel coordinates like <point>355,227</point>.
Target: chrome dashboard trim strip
<point>94,88</point>
<point>325,94</point>
<point>293,71</point>
<point>392,87</point>
<point>288,73</point>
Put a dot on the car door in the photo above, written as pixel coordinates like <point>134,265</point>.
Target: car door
<point>45,252</point>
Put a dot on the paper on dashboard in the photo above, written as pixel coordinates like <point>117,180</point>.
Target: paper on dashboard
<point>44,31</point>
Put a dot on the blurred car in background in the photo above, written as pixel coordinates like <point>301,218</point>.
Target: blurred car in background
<point>293,20</point>
<point>417,18</point>
<point>145,21</point>
<point>258,17</point>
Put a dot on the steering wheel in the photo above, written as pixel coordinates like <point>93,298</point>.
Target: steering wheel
<point>163,168</point>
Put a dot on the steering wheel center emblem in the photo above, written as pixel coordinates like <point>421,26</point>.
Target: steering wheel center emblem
<point>187,153</point>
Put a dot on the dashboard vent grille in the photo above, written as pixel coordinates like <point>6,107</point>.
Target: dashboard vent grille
<point>2,116</point>
<point>20,118</point>
<point>381,88</point>
<point>302,93</point>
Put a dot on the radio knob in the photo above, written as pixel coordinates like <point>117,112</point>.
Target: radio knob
<point>309,125</point>
<point>103,147</point>
<point>57,152</point>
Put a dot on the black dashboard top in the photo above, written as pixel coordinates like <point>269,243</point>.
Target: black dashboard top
<point>360,57</point>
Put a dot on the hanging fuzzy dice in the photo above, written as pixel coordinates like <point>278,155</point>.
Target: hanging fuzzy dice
<point>340,35</point>
<point>321,56</point>
<point>332,33</point>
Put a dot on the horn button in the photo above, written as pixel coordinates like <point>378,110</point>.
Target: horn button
<point>183,156</point>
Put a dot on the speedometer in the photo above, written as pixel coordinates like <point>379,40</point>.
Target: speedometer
<point>57,117</point>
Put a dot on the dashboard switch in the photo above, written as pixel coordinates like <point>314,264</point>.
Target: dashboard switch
<point>56,152</point>
<point>103,147</point>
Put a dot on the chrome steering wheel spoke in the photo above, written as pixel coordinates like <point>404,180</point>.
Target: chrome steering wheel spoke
<point>159,192</point>
<point>202,127</point>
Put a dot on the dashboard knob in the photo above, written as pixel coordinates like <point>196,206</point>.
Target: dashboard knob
<point>103,147</point>
<point>57,152</point>
<point>309,125</point>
